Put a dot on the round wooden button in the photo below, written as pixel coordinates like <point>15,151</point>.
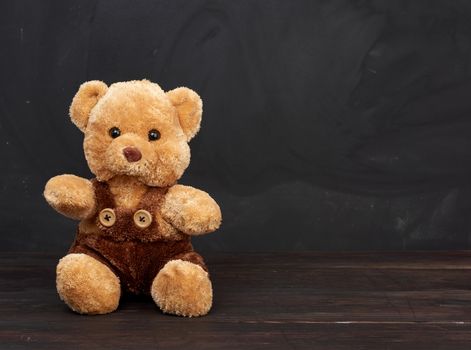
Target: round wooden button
<point>107,217</point>
<point>142,218</point>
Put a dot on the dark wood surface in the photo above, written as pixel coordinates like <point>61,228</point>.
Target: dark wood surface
<point>418,300</point>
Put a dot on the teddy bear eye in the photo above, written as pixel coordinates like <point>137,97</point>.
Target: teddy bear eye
<point>154,134</point>
<point>114,132</point>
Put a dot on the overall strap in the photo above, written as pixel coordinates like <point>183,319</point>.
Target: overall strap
<point>153,199</point>
<point>103,196</point>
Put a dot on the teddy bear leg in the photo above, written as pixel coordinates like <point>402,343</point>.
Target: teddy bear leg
<point>86,285</point>
<point>182,288</point>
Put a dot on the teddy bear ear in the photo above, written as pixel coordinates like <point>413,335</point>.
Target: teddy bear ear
<point>84,100</point>
<point>189,107</point>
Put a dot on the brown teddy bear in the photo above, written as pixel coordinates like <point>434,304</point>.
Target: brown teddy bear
<point>135,221</point>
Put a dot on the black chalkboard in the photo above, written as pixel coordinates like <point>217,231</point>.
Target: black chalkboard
<point>327,124</point>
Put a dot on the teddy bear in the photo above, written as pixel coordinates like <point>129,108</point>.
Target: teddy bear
<point>136,222</point>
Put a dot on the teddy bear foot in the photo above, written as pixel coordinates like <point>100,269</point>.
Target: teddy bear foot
<point>182,288</point>
<point>86,285</point>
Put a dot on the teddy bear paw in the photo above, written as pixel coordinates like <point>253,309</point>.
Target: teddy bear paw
<point>182,288</point>
<point>86,285</point>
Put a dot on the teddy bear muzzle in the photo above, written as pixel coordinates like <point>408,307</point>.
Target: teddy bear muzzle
<point>132,154</point>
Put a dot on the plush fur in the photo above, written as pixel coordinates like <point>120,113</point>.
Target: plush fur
<point>86,285</point>
<point>181,280</point>
<point>159,259</point>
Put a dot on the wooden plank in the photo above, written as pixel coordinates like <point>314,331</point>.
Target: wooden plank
<point>279,300</point>
<point>112,334</point>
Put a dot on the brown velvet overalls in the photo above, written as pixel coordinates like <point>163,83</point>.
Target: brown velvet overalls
<point>135,254</point>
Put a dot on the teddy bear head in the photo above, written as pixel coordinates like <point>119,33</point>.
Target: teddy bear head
<point>134,128</point>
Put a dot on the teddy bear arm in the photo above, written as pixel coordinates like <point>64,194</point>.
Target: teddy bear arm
<point>191,211</point>
<point>71,196</point>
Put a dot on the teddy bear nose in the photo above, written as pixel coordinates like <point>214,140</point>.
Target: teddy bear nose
<point>132,154</point>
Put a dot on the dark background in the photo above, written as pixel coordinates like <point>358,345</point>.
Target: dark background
<point>327,124</point>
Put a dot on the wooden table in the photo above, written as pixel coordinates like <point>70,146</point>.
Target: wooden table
<point>419,300</point>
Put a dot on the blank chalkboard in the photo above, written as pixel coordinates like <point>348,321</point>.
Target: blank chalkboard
<point>327,124</point>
